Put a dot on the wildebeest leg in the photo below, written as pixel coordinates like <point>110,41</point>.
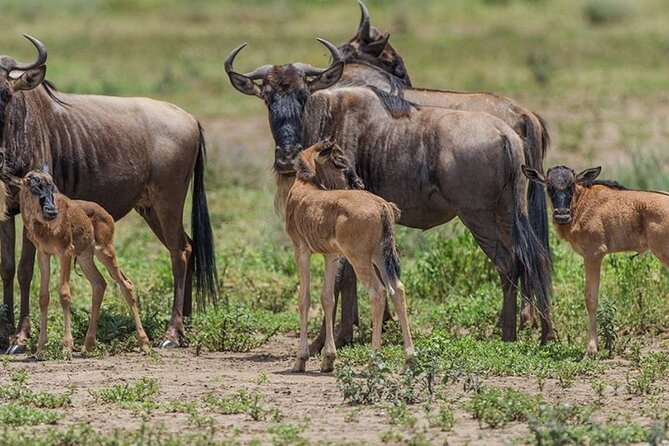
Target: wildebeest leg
<point>25,275</point>
<point>98,286</point>
<point>107,257</point>
<point>493,236</point>
<point>177,244</point>
<point>346,286</point>
<point>188,290</point>
<point>328,304</point>
<point>302,257</point>
<point>377,295</point>
<point>593,267</point>
<point>7,271</point>
<point>45,273</point>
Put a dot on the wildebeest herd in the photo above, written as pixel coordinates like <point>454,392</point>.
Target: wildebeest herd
<point>357,149</point>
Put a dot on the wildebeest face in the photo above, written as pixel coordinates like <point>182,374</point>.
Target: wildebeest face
<point>326,165</point>
<point>42,186</point>
<point>561,183</point>
<point>285,89</point>
<point>16,76</point>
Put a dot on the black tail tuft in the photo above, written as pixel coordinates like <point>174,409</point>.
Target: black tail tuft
<point>532,259</point>
<point>389,249</point>
<point>534,150</point>
<point>206,278</point>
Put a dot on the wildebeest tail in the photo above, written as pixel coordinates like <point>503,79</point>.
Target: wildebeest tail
<point>533,264</point>
<point>206,278</point>
<point>535,152</point>
<point>389,215</point>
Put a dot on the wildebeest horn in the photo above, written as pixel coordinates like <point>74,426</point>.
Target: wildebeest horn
<point>258,73</point>
<point>41,55</point>
<point>365,27</point>
<point>310,70</point>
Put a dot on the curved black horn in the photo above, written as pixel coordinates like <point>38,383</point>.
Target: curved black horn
<point>41,55</point>
<point>310,70</point>
<point>364,29</point>
<point>258,73</point>
<point>231,57</point>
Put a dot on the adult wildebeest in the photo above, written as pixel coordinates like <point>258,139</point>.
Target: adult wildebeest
<point>371,60</point>
<point>122,153</point>
<point>435,164</point>
<point>598,217</point>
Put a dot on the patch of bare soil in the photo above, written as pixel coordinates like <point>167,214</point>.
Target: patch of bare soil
<point>311,399</point>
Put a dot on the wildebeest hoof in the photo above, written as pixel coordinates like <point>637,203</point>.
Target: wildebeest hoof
<point>327,364</point>
<point>168,343</point>
<point>16,349</point>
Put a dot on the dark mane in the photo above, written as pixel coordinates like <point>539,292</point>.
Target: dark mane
<point>397,106</point>
<point>608,183</point>
<point>51,92</point>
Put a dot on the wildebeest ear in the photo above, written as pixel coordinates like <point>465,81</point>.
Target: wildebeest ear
<point>328,78</point>
<point>326,152</point>
<point>29,79</point>
<point>244,84</point>
<point>588,174</point>
<point>303,171</point>
<point>533,174</point>
<point>376,47</point>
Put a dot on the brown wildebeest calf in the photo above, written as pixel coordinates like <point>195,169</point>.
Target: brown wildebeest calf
<point>71,229</point>
<point>355,224</point>
<point>602,217</point>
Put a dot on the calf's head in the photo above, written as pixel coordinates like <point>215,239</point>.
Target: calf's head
<point>325,165</point>
<point>41,187</point>
<point>16,76</point>
<point>561,182</point>
<point>285,90</point>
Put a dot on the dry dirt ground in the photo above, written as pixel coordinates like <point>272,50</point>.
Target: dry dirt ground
<point>311,399</point>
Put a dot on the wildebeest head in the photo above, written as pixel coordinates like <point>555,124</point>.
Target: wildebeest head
<point>326,165</point>
<point>285,89</point>
<point>40,184</point>
<point>373,47</point>
<point>561,183</point>
<point>16,76</point>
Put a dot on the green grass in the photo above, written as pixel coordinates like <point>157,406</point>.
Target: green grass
<point>587,65</point>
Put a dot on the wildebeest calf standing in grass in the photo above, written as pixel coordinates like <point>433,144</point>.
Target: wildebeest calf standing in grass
<point>351,223</point>
<point>71,229</point>
<point>602,217</point>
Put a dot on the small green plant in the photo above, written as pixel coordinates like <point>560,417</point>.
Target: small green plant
<point>18,392</point>
<point>498,406</point>
<point>19,415</point>
<point>242,401</point>
<point>129,394</point>
<point>606,313</point>
<point>598,387</point>
<point>288,434</point>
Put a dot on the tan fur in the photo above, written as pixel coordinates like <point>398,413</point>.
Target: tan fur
<point>339,223</point>
<point>607,220</point>
<point>81,230</point>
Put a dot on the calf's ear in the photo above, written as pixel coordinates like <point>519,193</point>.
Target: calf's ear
<point>303,171</point>
<point>533,174</point>
<point>588,174</point>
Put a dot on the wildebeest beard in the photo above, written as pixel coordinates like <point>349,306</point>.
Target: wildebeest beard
<point>285,118</point>
<point>5,96</point>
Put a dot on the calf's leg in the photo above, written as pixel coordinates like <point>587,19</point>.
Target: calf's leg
<point>65,261</point>
<point>593,267</point>
<point>98,286</point>
<point>328,304</point>
<point>302,258</point>
<point>107,256</point>
<point>45,273</point>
